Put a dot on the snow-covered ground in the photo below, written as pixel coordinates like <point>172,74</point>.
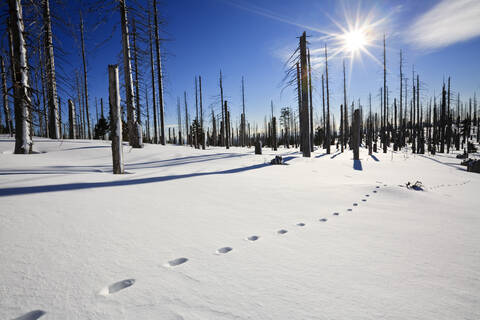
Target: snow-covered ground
<point>71,232</point>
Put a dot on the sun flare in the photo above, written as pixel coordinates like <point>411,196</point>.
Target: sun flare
<point>354,41</point>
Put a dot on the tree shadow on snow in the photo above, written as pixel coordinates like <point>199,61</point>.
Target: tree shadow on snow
<point>374,157</point>
<point>357,165</point>
<point>118,183</point>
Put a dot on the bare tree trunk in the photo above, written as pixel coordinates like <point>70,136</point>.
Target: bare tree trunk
<point>202,137</point>
<point>384,96</point>
<point>299,93</point>
<point>222,127</point>
<point>328,102</point>
<point>22,101</point>
<point>50,74</point>
<point>115,119</point>
<point>6,107</point>
<point>311,102</point>
<point>226,126</point>
<point>304,124</point>
<point>179,113</point>
<point>345,113</point>
<point>356,134</point>
<point>196,114</point>
<point>401,133</point>
<point>186,118</point>
<point>85,84</point>
<point>243,114</point>
<point>159,74</point>
<point>152,69</point>
<point>135,65</point>
<point>134,128</point>
<point>71,120</point>
<point>324,120</point>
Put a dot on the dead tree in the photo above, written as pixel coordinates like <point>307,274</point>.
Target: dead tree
<point>134,128</point>
<point>226,126</point>
<point>135,65</point>
<point>356,134</point>
<point>22,101</point>
<point>202,130</point>
<point>71,120</point>
<point>311,101</point>
<point>159,74</point>
<point>384,96</point>
<point>85,84</point>
<point>6,107</point>
<point>328,102</point>
<point>115,119</point>
<point>304,118</point>
<point>243,114</point>
<point>50,74</point>
<point>345,112</point>
<point>179,114</point>
<point>152,70</point>
<point>187,136</point>
<point>222,126</point>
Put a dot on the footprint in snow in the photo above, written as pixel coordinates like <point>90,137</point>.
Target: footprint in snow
<point>378,187</point>
<point>253,238</point>
<point>367,195</point>
<point>117,286</point>
<point>364,200</point>
<point>32,315</point>
<point>374,191</point>
<point>349,210</point>
<point>323,220</point>
<point>224,250</point>
<point>301,224</point>
<point>177,262</point>
<point>282,231</point>
<point>355,204</point>
<point>335,213</point>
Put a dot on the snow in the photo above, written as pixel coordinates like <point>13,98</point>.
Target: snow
<point>197,234</point>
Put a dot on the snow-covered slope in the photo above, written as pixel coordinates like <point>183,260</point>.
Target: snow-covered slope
<point>169,240</point>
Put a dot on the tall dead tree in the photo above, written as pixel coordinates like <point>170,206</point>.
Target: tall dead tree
<point>22,100</point>
<point>85,84</point>
<point>179,114</point>
<point>311,101</point>
<point>324,120</point>
<point>135,65</point>
<point>356,134</point>
<point>6,107</point>
<point>345,112</point>
<point>196,114</point>
<point>401,133</point>
<point>384,96</point>
<point>134,128</point>
<point>226,126</point>
<point>152,70</point>
<point>222,126</point>
<point>50,74</point>
<point>243,114</point>
<point>202,137</point>
<point>159,74</point>
<point>187,135</point>
<point>115,119</point>
<point>304,118</point>
<point>328,102</point>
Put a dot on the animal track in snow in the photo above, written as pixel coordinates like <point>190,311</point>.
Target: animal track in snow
<point>364,200</point>
<point>355,204</point>
<point>253,238</point>
<point>282,231</point>
<point>32,315</point>
<point>117,286</point>
<point>300,224</point>
<point>374,191</point>
<point>176,262</point>
<point>349,209</point>
<point>224,250</point>
<point>323,220</point>
<point>378,187</point>
<point>367,195</point>
<point>335,213</point>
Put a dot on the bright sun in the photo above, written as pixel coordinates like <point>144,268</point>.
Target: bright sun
<point>354,41</point>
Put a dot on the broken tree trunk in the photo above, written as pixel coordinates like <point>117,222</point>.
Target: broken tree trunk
<point>71,120</point>
<point>115,119</point>
<point>356,134</point>
<point>6,107</point>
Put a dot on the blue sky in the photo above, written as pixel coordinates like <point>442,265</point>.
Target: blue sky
<point>254,38</point>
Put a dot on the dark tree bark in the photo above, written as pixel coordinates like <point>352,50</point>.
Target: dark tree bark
<point>115,119</point>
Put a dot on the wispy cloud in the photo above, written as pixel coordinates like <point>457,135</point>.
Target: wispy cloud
<point>448,22</point>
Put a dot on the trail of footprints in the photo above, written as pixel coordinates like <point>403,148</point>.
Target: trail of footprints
<point>123,284</point>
